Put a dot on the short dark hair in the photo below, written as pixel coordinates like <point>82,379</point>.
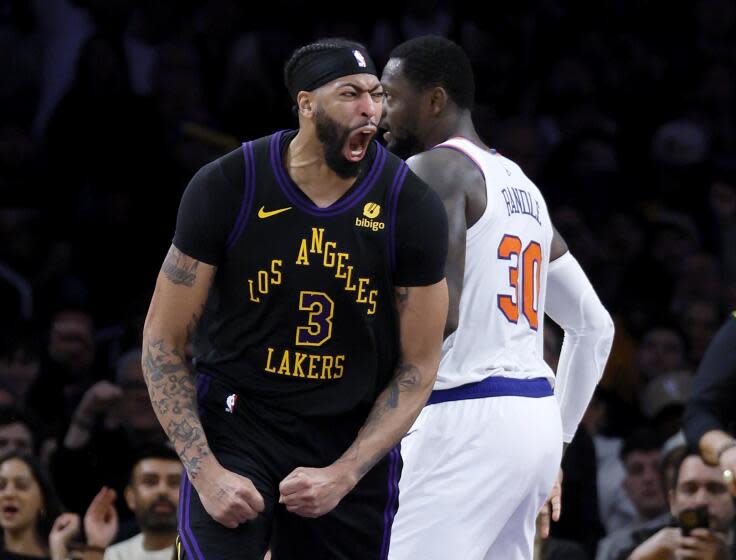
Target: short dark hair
<point>303,54</point>
<point>432,61</point>
<point>642,439</point>
<point>677,465</point>
<point>152,451</point>
<point>51,508</point>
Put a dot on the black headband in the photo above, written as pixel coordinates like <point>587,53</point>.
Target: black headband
<point>321,67</point>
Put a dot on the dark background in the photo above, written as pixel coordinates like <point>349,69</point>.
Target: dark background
<point>622,112</point>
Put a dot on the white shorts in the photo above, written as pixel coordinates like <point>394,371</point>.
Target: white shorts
<point>476,472</point>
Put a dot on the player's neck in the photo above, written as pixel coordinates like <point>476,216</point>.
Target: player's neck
<point>305,163</point>
<point>457,126</point>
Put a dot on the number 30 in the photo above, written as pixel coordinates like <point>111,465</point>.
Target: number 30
<point>531,265</point>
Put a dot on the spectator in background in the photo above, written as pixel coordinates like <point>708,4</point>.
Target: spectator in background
<point>19,366</point>
<point>611,547</point>
<point>100,526</point>
<point>153,496</point>
<point>67,370</point>
<point>663,402</point>
<point>110,423</point>
<point>699,319</point>
<point>16,435</point>
<point>609,469</point>
<point>695,485</point>
<point>662,349</point>
<point>643,496</point>
<point>29,508</point>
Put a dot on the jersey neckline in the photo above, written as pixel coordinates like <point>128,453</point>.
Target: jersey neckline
<point>296,196</point>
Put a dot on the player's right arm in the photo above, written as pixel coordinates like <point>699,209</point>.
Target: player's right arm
<point>573,304</point>
<point>178,300</point>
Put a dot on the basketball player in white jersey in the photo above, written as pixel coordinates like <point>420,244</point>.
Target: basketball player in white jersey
<point>484,453</point>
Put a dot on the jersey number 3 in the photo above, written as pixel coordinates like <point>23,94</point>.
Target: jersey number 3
<point>526,296</point>
<point>320,309</point>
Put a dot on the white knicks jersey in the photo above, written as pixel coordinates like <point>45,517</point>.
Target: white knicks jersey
<point>507,250</point>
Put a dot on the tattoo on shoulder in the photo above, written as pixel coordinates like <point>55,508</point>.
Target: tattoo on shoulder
<point>402,297</point>
<point>179,268</point>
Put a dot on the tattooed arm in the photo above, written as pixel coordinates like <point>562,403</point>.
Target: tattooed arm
<point>178,300</point>
<point>422,314</point>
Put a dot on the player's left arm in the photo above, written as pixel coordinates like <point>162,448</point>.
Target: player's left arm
<point>422,311</point>
<point>573,304</point>
<point>421,304</point>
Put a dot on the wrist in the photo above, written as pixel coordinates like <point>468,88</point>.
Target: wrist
<point>86,551</point>
<point>347,472</point>
<point>203,472</point>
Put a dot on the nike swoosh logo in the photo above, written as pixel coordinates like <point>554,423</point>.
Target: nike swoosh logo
<point>262,213</point>
<point>407,434</point>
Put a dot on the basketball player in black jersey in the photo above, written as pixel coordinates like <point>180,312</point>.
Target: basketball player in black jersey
<point>309,267</point>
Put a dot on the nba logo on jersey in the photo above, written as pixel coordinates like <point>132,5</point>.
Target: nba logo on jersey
<point>230,403</point>
<point>359,57</point>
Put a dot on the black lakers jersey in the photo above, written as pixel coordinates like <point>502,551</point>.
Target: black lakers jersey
<point>300,314</point>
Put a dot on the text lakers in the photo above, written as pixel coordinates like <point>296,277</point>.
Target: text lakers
<point>307,366</point>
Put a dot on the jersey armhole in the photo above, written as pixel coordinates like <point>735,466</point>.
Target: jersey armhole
<point>479,225</point>
<point>249,181</point>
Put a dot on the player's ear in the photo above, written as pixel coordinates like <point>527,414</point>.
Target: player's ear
<point>304,104</point>
<point>438,100</point>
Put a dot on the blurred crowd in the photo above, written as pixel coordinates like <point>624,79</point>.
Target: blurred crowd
<point>624,115</point>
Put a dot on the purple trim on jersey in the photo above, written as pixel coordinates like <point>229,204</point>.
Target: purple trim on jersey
<point>185,532</point>
<point>494,387</point>
<point>391,499</point>
<point>248,190</point>
<point>466,154</point>
<point>393,203</point>
<point>293,194</point>
<point>202,386</point>
<point>193,549</point>
<point>180,515</point>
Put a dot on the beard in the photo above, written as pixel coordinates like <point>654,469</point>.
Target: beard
<point>406,146</point>
<point>333,137</point>
<point>156,521</point>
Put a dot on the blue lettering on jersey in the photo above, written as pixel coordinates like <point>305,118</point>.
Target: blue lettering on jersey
<point>518,201</point>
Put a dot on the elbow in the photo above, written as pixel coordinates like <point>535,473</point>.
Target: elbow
<point>157,331</point>
<point>605,326</point>
<point>599,323</point>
